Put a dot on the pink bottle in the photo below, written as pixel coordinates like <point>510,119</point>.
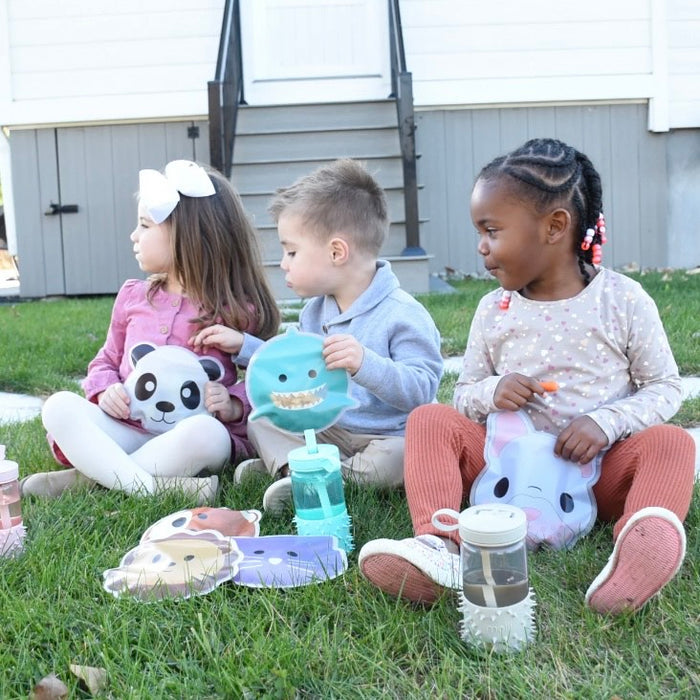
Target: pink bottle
<point>11,527</point>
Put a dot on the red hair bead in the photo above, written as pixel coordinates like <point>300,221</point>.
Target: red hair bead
<point>586,242</point>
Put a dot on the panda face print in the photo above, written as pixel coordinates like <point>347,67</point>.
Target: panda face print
<point>190,394</point>
<point>167,384</point>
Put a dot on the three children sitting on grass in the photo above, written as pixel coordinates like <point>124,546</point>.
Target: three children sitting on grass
<point>537,212</point>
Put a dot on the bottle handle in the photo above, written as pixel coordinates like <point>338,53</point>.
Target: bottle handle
<point>446,512</point>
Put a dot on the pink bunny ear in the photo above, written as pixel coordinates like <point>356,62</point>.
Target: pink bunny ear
<point>588,469</point>
<point>504,427</point>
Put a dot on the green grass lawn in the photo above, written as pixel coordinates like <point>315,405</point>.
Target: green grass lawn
<point>339,639</point>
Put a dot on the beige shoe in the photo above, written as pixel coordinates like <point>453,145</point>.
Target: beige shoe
<point>278,496</point>
<point>53,484</point>
<point>204,488</point>
<point>249,466</point>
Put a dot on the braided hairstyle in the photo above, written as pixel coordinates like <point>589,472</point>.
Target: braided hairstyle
<point>549,174</point>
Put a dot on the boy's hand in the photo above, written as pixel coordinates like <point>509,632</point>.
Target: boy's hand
<point>343,352</point>
<point>114,401</point>
<point>515,390</point>
<point>217,336</point>
<point>580,441</point>
<point>220,403</point>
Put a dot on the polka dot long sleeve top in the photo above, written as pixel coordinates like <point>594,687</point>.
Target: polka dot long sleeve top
<point>606,348</point>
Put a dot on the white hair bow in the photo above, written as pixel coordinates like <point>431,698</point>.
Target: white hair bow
<point>161,193</point>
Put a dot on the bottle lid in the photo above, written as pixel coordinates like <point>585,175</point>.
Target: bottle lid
<point>303,460</point>
<point>9,471</point>
<point>492,525</point>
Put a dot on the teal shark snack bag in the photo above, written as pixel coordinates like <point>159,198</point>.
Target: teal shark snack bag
<point>288,383</point>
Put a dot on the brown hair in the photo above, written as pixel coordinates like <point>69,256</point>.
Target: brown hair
<point>217,259</point>
<point>341,197</point>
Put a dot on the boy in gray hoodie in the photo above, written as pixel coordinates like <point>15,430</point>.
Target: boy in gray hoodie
<point>332,225</point>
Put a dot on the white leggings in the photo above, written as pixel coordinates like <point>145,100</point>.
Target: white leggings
<point>119,456</point>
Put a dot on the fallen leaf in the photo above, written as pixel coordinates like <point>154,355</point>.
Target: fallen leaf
<point>49,688</point>
<point>94,678</point>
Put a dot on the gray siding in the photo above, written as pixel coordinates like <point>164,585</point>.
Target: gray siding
<point>651,189</point>
<point>455,144</point>
<point>684,198</point>
<point>95,167</point>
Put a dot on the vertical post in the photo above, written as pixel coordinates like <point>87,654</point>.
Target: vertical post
<point>402,92</point>
<point>216,145</point>
<point>407,135</point>
<point>393,57</point>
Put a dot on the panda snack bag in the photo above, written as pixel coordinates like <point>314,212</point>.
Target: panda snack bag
<point>167,384</point>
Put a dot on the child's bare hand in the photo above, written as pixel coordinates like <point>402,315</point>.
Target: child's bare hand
<point>343,352</point>
<point>580,441</point>
<point>220,403</point>
<point>217,336</point>
<point>114,401</point>
<point>515,390</point>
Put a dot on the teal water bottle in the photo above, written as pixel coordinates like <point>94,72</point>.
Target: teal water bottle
<point>317,491</point>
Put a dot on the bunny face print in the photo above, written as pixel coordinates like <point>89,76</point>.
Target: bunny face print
<point>522,470</point>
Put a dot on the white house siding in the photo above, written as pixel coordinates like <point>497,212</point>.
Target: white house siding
<point>475,53</point>
<point>684,63</point>
<point>101,60</point>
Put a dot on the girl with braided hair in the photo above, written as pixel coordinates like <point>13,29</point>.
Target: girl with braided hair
<point>594,337</point>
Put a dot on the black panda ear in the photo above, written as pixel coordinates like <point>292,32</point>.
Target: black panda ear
<point>138,351</point>
<point>212,367</point>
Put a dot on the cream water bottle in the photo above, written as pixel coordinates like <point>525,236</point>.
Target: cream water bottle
<point>496,600</point>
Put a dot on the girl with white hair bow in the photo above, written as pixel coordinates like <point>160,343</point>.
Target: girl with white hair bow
<point>197,245</point>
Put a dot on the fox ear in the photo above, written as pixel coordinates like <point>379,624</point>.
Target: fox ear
<point>504,427</point>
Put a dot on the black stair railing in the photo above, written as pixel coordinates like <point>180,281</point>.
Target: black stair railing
<point>226,91</point>
<point>402,92</point>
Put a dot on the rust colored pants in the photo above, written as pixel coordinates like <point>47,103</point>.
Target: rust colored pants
<point>445,453</point>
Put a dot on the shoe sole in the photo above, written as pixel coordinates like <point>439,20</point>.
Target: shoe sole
<point>415,573</point>
<point>399,578</point>
<point>654,571</point>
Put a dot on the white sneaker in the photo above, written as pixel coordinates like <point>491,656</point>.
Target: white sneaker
<point>278,496</point>
<point>53,484</point>
<point>249,466</point>
<point>417,568</point>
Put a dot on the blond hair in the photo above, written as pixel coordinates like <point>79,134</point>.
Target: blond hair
<point>341,197</point>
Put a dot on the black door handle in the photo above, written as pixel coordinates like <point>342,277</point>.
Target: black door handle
<point>61,209</point>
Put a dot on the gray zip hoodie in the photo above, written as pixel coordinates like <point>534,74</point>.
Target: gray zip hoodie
<point>402,364</point>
